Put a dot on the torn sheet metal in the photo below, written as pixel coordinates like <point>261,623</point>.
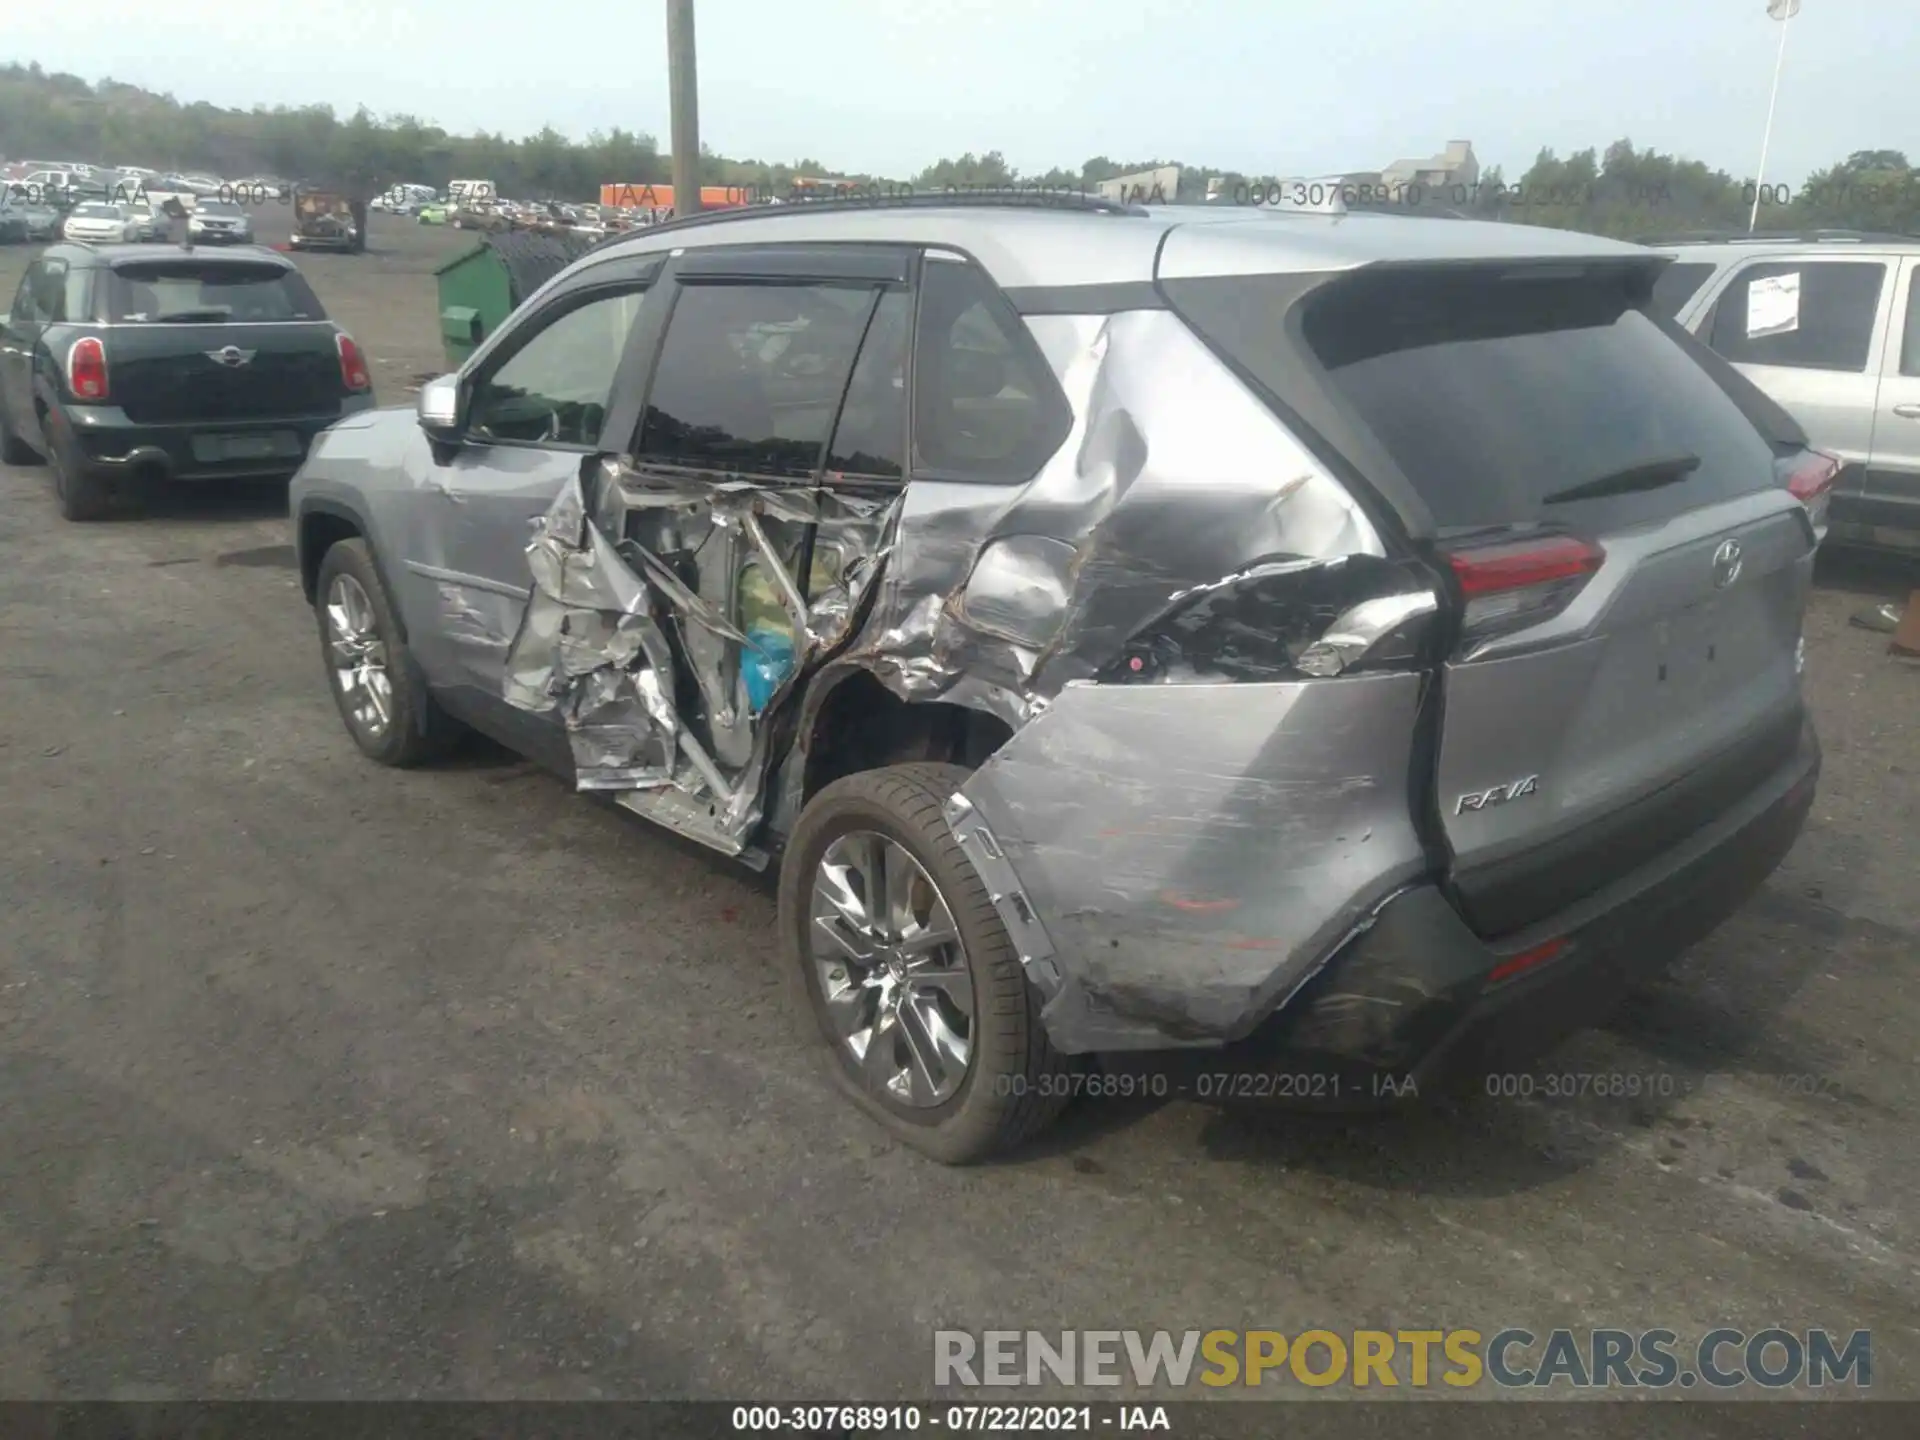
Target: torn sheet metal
<point>671,620</point>
<point>1183,901</point>
<point>1173,476</point>
<point>674,618</point>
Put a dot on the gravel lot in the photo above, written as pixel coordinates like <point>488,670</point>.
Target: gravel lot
<point>321,1080</point>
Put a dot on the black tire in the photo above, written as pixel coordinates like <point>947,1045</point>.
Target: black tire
<point>14,450</point>
<point>417,729</point>
<point>1016,1083</point>
<point>84,495</point>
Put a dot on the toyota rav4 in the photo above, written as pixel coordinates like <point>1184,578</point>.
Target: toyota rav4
<point>1361,643</point>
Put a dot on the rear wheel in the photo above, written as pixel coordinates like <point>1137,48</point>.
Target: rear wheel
<point>84,495</point>
<point>382,700</point>
<point>917,991</point>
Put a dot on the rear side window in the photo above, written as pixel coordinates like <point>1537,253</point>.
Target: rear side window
<point>1806,315</point>
<point>185,291</point>
<point>1497,393</point>
<point>1678,284</point>
<point>750,376</point>
<point>60,294</point>
<point>985,405</point>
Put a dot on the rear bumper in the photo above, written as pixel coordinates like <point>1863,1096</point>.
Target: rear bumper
<point>1409,1006</point>
<point>1258,896</point>
<point>111,445</point>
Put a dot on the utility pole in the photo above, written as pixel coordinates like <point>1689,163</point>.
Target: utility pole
<point>1783,11</point>
<point>684,97</point>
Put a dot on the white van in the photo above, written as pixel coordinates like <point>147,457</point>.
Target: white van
<point>466,192</point>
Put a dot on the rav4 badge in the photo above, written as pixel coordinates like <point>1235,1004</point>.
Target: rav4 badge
<point>1498,795</point>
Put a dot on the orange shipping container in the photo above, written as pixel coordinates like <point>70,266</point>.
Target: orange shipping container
<point>660,197</point>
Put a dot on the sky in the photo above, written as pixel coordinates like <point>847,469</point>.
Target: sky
<point>886,87</point>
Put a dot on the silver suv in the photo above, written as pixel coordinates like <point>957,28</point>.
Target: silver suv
<point>1828,324</point>
<point>1343,648</point>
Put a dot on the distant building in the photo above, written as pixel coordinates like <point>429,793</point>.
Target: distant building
<point>1455,165</point>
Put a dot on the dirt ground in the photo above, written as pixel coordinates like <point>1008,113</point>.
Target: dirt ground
<point>321,1080</point>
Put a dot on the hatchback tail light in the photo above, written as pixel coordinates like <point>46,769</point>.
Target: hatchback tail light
<point>1285,620</point>
<point>353,365</point>
<point>87,369</point>
<point>1810,476</point>
<point>1518,583</point>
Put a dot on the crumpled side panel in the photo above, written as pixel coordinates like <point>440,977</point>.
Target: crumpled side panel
<point>1179,859</point>
<point>636,629</point>
<point>1173,476</point>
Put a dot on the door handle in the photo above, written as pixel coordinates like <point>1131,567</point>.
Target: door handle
<point>1907,412</point>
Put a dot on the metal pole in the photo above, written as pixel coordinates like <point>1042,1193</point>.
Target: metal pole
<point>1766,139</point>
<point>684,97</point>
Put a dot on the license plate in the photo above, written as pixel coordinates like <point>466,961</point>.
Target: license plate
<point>264,445</point>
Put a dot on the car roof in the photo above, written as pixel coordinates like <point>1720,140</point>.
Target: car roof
<point>1721,250</point>
<point>121,254</point>
<point>1060,245</point>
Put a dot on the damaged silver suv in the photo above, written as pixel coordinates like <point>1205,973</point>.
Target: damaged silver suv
<point>1348,648</point>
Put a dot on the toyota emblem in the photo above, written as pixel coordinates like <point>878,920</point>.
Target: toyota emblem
<point>1726,564</point>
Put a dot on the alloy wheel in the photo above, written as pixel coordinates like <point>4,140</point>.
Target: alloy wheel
<point>358,657</point>
<point>892,969</point>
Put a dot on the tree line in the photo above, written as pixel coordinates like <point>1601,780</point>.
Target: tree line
<point>1621,191</point>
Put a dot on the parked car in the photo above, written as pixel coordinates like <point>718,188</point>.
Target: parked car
<point>113,223</point>
<point>490,217</point>
<point>1828,324</point>
<point>160,189</point>
<point>434,212</point>
<point>1351,646</point>
<point>25,217</point>
<point>323,219</point>
<point>122,364</point>
<point>150,223</point>
<point>219,222</point>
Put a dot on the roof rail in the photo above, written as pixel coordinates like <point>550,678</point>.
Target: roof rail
<point>1011,198</point>
<point>1774,237</point>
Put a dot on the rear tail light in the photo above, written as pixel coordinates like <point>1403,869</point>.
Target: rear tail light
<point>1285,620</point>
<point>1810,477</point>
<point>1516,584</point>
<point>353,365</point>
<point>87,369</point>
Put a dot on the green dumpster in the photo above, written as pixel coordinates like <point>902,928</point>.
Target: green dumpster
<point>480,288</point>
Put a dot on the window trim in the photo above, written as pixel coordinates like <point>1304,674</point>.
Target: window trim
<point>524,334</point>
<point>1876,339</point>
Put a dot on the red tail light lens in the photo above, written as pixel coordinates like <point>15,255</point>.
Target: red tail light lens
<point>1810,477</point>
<point>87,370</point>
<point>1513,585</point>
<point>353,365</point>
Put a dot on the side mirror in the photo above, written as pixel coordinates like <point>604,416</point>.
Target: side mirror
<point>439,409</point>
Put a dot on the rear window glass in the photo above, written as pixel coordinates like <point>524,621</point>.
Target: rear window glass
<point>1678,284</point>
<point>188,291</point>
<point>99,212</point>
<point>1494,393</point>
